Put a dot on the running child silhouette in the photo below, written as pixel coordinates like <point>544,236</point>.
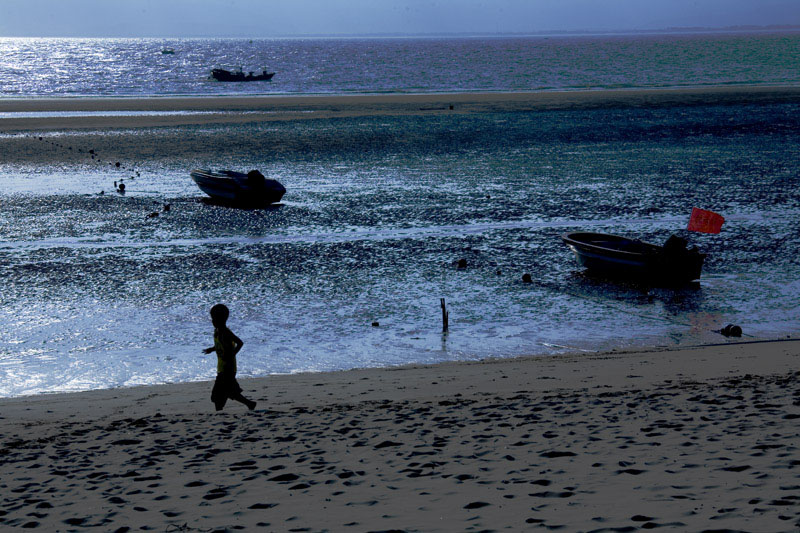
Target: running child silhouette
<point>227,345</point>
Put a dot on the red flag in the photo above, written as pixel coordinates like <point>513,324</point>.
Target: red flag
<point>705,221</point>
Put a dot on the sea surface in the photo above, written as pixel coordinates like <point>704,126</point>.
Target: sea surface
<point>99,292</point>
<point>58,67</point>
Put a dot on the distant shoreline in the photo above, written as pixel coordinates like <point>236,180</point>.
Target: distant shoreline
<point>268,108</point>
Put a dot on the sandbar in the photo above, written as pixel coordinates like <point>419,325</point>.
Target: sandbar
<point>42,113</point>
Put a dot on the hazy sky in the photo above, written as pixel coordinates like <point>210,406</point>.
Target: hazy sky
<point>268,18</point>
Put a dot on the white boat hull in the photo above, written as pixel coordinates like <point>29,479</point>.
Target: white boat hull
<point>236,187</point>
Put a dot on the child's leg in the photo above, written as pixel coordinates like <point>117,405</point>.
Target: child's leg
<point>218,393</point>
<point>219,403</point>
<point>239,398</point>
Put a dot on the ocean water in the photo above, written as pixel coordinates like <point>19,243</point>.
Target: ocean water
<point>137,67</point>
<point>377,214</point>
<point>379,210</point>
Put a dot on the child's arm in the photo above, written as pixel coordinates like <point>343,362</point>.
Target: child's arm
<point>208,350</point>
<point>237,343</point>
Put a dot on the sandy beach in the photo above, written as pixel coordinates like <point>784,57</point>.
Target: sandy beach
<point>176,111</point>
<point>697,439</point>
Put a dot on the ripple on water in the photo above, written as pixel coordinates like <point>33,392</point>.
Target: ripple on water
<point>103,295</point>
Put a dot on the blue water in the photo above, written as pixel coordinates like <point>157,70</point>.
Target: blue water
<point>378,212</point>
<point>136,67</point>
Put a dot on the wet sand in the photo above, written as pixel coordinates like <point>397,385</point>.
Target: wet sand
<point>688,440</point>
<point>176,111</point>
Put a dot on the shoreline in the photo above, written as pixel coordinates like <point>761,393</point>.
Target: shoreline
<point>249,109</point>
<point>616,355</point>
<point>137,100</point>
<point>614,359</point>
<point>688,437</point>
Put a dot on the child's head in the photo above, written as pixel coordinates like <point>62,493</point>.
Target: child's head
<point>219,315</point>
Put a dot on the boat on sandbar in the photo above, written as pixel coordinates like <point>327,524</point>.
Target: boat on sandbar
<point>620,257</point>
<point>220,74</point>
<point>238,188</point>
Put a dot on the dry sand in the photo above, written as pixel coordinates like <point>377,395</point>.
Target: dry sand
<point>690,440</point>
<point>215,110</point>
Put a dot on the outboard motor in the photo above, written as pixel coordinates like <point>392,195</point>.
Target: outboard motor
<point>255,179</point>
<point>675,245</point>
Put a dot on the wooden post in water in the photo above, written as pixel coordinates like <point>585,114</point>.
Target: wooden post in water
<point>444,316</point>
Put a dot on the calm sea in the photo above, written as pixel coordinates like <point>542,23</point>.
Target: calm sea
<point>379,210</point>
<point>137,67</point>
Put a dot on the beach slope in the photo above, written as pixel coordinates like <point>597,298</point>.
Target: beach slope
<point>692,439</point>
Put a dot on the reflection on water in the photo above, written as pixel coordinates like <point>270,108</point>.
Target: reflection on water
<point>378,213</point>
<point>132,67</point>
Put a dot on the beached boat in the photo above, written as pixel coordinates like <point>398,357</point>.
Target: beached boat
<point>220,74</point>
<point>621,257</point>
<point>228,186</point>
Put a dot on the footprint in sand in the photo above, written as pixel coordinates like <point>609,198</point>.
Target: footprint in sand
<point>285,478</point>
<point>215,494</point>
<point>553,454</point>
<point>263,506</point>
<point>476,505</point>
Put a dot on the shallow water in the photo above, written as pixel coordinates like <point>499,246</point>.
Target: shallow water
<point>378,211</point>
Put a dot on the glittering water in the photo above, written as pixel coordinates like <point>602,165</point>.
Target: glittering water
<point>137,67</point>
<point>96,293</point>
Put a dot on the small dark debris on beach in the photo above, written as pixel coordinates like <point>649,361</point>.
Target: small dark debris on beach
<point>731,330</point>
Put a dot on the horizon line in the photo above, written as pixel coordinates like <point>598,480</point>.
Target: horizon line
<point>540,33</point>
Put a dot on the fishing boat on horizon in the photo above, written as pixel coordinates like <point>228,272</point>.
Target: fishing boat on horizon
<point>221,74</point>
